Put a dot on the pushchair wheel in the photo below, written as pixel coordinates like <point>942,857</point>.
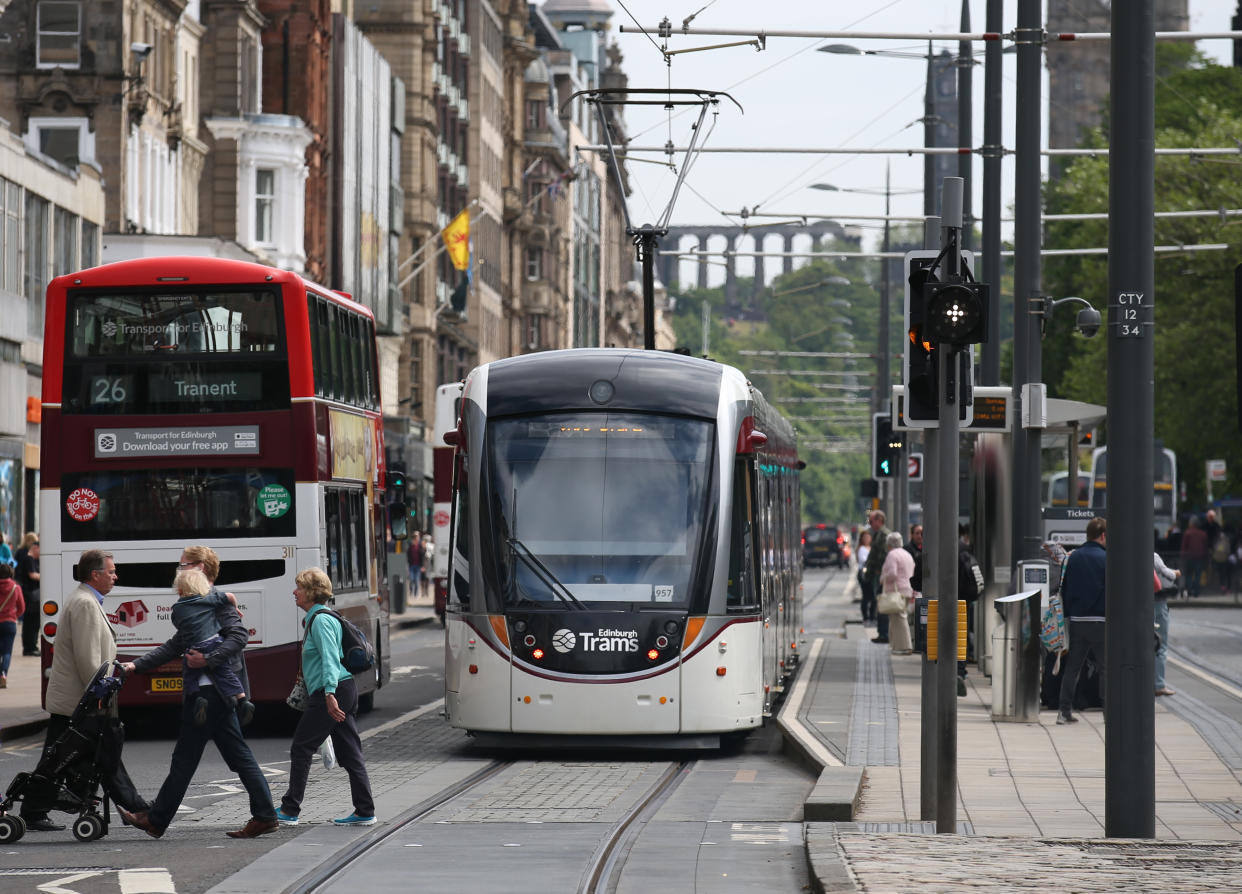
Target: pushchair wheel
<point>88,827</point>
<point>12,828</point>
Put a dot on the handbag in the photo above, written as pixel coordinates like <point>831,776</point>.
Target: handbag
<point>891,602</point>
<point>298,698</point>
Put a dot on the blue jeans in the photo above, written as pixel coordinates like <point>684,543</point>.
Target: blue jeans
<point>222,728</point>
<point>1161,612</point>
<point>8,633</point>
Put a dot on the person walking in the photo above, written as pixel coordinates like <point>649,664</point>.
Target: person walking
<point>1166,577</point>
<point>1194,556</point>
<point>28,580</point>
<point>220,722</point>
<point>331,709</point>
<point>895,576</point>
<point>12,606</point>
<point>1082,593</point>
<point>875,562</point>
<point>84,641</point>
<point>867,605</point>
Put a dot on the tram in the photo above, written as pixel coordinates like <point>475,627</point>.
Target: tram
<point>625,552</point>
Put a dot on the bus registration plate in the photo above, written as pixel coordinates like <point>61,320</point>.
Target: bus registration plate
<point>165,684</point>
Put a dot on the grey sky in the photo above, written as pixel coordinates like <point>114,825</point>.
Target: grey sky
<point>794,95</point>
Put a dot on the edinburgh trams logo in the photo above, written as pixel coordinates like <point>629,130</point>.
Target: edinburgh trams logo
<point>603,640</point>
<point>564,640</point>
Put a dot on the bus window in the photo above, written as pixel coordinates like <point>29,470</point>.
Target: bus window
<point>345,520</point>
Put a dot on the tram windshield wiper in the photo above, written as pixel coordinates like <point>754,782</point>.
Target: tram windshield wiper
<point>522,551</point>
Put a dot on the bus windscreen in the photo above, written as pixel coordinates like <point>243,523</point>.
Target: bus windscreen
<point>174,352</point>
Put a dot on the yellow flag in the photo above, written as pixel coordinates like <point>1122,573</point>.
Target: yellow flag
<point>457,240</point>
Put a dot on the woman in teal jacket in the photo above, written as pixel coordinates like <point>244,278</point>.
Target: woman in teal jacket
<point>331,710</point>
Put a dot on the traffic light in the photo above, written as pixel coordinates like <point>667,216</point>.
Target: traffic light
<point>886,445</point>
<point>930,310</point>
<point>919,360</point>
<point>955,313</point>
<point>397,515</point>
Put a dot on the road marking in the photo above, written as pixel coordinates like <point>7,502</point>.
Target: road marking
<point>154,880</point>
<point>54,887</point>
<point>404,718</point>
<point>1205,676</point>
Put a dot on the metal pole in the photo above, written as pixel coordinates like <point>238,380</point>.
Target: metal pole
<point>883,387</point>
<point>1027,357</point>
<point>951,393</point>
<point>1129,732</point>
<point>965,128</point>
<point>928,743</point>
<point>929,141</point>
<point>647,239</point>
<point>993,69</point>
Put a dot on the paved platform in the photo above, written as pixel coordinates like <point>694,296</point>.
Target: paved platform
<point>1030,799</point>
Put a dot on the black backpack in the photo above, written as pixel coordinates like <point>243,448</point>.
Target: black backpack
<point>970,580</point>
<point>357,654</point>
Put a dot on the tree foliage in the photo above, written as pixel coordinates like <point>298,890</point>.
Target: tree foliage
<point>1197,105</point>
<point>822,307</point>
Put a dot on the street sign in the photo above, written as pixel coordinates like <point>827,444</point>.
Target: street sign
<point>991,410</point>
<point>1216,470</point>
<point>914,467</point>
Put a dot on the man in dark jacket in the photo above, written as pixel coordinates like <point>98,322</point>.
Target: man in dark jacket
<point>1082,593</point>
<point>875,561</point>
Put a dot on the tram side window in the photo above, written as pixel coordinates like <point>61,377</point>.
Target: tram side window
<point>346,537</point>
<point>741,591</point>
<point>460,590</point>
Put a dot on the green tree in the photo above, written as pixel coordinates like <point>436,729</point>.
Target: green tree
<point>1197,104</point>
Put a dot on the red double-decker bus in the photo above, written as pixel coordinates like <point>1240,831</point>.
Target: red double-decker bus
<point>208,401</point>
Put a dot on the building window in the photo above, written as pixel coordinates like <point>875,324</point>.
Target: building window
<point>534,330</point>
<point>264,198</point>
<point>65,140</point>
<point>534,262</point>
<point>10,235</point>
<point>536,116</point>
<point>90,245</point>
<point>59,33</point>
<point>34,268</point>
<point>64,242</point>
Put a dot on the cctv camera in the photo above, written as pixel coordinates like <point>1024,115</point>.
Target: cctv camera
<point>140,50</point>
<point>1088,322</point>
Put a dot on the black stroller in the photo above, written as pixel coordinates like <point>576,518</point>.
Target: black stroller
<point>70,774</point>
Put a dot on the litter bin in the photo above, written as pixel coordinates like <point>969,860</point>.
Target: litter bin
<point>1015,653</point>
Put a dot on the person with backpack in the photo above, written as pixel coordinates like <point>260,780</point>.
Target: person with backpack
<point>331,708</point>
<point>1082,589</point>
<point>970,585</point>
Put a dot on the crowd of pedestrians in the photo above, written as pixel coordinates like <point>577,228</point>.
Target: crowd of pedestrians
<point>209,641</point>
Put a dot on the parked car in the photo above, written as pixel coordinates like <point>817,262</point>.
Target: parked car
<point>823,545</point>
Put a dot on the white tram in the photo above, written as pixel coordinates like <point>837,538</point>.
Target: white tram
<point>625,549</point>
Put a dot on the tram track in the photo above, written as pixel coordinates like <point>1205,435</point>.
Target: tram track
<point>323,875</point>
<point>603,872</point>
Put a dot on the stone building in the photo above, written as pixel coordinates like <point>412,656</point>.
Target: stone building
<point>1078,71</point>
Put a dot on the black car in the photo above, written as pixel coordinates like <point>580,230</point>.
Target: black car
<point>821,545</point>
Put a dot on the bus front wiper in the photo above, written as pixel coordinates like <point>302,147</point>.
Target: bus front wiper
<point>522,551</point>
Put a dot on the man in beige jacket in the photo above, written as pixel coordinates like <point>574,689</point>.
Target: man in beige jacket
<point>84,641</point>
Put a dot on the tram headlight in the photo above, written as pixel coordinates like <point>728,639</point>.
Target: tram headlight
<point>671,628</point>
<point>520,626</point>
<point>537,654</point>
<point>661,642</point>
<point>529,640</point>
<point>653,654</point>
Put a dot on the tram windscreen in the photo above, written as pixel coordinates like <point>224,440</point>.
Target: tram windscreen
<point>597,507</point>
